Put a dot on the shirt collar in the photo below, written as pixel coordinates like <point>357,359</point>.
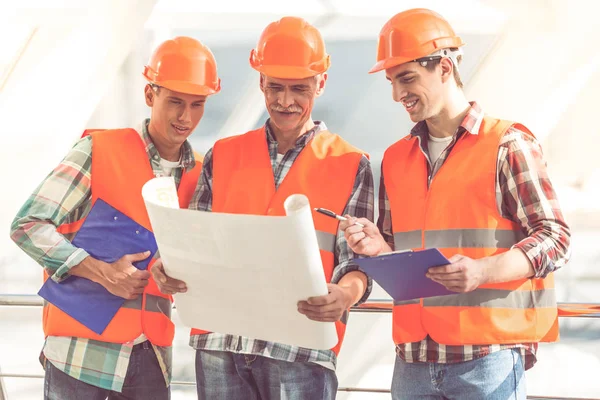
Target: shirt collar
<point>470,123</point>
<point>187,158</point>
<point>303,139</point>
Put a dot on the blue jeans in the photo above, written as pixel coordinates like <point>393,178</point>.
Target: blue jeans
<point>497,376</point>
<point>221,375</point>
<point>144,381</point>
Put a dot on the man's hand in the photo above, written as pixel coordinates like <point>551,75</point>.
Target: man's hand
<point>120,278</point>
<point>328,308</point>
<point>462,275</point>
<point>166,284</point>
<point>366,239</point>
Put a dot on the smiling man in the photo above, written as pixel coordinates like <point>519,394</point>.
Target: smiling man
<point>254,173</point>
<point>132,357</point>
<point>476,188</point>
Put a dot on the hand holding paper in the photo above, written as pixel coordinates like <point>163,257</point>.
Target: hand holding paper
<point>328,308</point>
<point>165,283</point>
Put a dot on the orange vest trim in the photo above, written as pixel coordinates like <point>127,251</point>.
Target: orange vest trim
<point>458,215</point>
<point>325,172</point>
<point>120,167</point>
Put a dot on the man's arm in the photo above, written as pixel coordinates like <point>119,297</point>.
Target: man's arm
<point>528,198</point>
<point>65,197</point>
<point>62,197</point>
<point>202,198</point>
<point>348,284</point>
<point>370,239</point>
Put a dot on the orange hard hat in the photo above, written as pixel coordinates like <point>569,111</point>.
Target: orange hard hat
<point>290,48</point>
<point>413,34</point>
<point>184,65</point>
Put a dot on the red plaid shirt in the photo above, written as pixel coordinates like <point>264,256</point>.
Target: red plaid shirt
<point>525,195</point>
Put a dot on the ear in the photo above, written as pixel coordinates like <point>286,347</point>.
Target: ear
<point>262,83</point>
<point>321,80</point>
<point>447,68</point>
<point>149,95</point>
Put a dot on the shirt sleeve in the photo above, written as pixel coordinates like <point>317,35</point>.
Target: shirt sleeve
<point>525,195</point>
<point>384,222</point>
<point>202,198</point>
<point>360,205</point>
<point>64,196</point>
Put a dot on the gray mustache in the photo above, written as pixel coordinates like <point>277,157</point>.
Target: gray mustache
<point>290,110</point>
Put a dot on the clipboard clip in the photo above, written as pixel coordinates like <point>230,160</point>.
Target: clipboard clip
<point>391,253</point>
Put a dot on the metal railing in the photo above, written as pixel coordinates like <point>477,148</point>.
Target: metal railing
<point>568,310</point>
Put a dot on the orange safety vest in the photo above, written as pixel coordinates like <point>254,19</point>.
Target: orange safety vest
<point>458,215</point>
<point>120,168</point>
<point>325,172</point>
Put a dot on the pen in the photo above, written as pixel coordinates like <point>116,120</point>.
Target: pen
<point>331,214</point>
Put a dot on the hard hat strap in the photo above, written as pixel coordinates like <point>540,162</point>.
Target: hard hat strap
<point>439,54</point>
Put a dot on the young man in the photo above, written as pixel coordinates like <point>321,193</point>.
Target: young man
<point>254,173</point>
<point>476,188</point>
<point>131,359</point>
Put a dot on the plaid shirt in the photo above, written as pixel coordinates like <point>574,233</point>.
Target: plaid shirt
<point>525,195</point>
<point>360,204</point>
<point>65,197</point>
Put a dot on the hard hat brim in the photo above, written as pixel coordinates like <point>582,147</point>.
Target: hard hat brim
<point>189,88</point>
<point>389,63</point>
<point>287,72</point>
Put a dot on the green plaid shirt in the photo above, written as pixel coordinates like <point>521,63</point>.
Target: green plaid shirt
<point>65,197</point>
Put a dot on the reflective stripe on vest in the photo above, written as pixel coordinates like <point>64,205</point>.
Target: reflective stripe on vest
<point>155,304</point>
<point>496,298</point>
<point>326,241</point>
<point>453,238</point>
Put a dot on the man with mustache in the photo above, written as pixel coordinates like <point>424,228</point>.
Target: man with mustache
<point>131,359</point>
<point>254,173</point>
<point>476,188</point>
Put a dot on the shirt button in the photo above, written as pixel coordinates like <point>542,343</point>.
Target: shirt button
<point>156,157</point>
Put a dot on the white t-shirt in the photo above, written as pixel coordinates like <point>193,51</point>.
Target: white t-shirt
<point>437,146</point>
<point>169,166</point>
<point>279,158</point>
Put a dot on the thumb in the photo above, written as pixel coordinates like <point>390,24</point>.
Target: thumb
<point>345,224</point>
<point>138,256</point>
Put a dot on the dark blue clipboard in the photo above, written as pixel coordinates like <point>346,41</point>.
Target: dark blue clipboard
<point>107,235</point>
<point>402,274</point>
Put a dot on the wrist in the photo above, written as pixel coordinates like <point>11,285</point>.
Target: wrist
<point>487,266</point>
<point>384,247</point>
<point>353,285</point>
<point>92,269</point>
<point>348,296</point>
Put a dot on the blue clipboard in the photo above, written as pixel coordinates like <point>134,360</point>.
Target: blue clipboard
<point>402,274</point>
<point>107,235</point>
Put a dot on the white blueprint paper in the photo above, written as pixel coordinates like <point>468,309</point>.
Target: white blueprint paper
<point>245,273</point>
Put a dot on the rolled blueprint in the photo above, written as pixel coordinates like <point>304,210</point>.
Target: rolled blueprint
<point>245,273</point>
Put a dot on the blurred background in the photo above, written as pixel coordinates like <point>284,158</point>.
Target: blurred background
<point>70,65</point>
